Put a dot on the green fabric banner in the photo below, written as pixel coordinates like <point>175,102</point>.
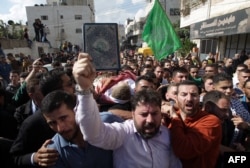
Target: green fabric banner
<point>159,33</point>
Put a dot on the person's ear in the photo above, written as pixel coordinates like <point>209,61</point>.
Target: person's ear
<point>30,95</point>
<point>166,96</point>
<point>133,114</point>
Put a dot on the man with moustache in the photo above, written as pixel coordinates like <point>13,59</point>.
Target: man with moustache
<point>196,135</point>
<point>57,108</point>
<point>140,142</point>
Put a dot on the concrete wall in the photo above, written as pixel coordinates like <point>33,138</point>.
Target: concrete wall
<point>20,46</point>
<point>10,43</point>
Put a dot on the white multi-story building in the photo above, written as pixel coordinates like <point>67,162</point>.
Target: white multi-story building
<point>64,18</point>
<point>218,26</point>
<point>134,27</point>
<point>172,8</point>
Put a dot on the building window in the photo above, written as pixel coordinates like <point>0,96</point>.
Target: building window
<point>78,30</point>
<point>174,12</point>
<point>78,17</point>
<point>44,17</point>
<point>84,2</point>
<point>62,30</point>
<point>61,16</point>
<point>236,43</point>
<point>208,45</point>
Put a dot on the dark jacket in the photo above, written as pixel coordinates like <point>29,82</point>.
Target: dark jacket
<point>33,132</point>
<point>23,112</point>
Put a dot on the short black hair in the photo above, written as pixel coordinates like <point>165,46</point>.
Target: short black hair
<point>242,65</point>
<point>146,96</point>
<point>51,81</point>
<point>212,65</point>
<point>207,76</point>
<point>143,77</point>
<point>245,71</point>
<point>179,70</point>
<point>146,66</point>
<point>56,99</point>
<point>126,67</point>
<point>150,74</point>
<point>15,72</point>
<point>214,96</point>
<point>192,66</point>
<point>31,84</point>
<point>221,77</point>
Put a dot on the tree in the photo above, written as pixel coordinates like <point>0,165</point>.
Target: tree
<point>16,31</point>
<point>184,34</point>
<point>3,29</point>
<point>10,22</point>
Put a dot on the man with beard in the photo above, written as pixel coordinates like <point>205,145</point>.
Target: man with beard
<point>140,142</point>
<point>57,108</point>
<point>196,135</point>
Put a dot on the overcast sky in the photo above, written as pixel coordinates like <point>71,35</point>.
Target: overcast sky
<point>105,10</point>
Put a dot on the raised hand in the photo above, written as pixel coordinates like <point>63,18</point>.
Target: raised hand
<point>84,71</point>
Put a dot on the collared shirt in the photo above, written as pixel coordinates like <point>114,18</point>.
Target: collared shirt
<point>130,149</point>
<point>238,92</point>
<point>72,156</point>
<point>33,107</point>
<point>244,102</point>
<point>235,79</point>
<point>237,106</point>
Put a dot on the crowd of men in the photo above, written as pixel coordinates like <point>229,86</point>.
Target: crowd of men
<point>177,112</point>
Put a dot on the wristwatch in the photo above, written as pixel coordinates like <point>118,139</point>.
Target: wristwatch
<point>82,91</point>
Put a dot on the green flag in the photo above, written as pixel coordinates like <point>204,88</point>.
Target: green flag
<point>159,33</point>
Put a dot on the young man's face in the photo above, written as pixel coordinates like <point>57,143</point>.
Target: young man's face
<point>210,71</point>
<point>167,65</point>
<point>171,93</point>
<point>243,77</point>
<point>204,64</point>
<point>62,121</point>
<point>194,72</point>
<point>67,84</point>
<point>208,85</point>
<point>158,72</point>
<point>229,62</point>
<point>14,77</point>
<point>179,77</point>
<point>143,84</point>
<point>149,62</point>
<point>225,87</point>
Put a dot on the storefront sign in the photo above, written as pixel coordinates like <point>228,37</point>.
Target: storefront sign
<point>233,23</point>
